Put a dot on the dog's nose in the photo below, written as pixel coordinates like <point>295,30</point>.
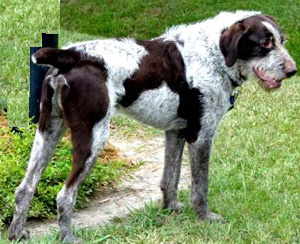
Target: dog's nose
<point>290,72</point>
<point>290,68</point>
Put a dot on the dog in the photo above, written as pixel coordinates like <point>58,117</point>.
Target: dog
<point>182,82</point>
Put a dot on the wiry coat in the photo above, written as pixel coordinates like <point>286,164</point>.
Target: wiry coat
<point>204,63</point>
<point>180,82</point>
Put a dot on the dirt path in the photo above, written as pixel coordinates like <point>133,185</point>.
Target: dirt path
<point>135,190</point>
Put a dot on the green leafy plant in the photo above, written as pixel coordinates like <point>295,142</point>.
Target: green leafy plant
<point>14,155</point>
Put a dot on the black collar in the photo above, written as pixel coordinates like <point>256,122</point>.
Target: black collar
<point>234,93</point>
<point>234,83</point>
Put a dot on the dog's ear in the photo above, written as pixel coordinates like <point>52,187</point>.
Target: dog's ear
<point>229,42</point>
<point>270,18</point>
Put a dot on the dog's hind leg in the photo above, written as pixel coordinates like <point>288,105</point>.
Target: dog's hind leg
<point>174,144</point>
<point>87,146</point>
<point>44,144</point>
<point>87,107</point>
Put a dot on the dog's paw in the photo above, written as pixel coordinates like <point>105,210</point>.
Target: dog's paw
<point>174,206</point>
<point>24,235</point>
<point>72,240</point>
<point>212,217</point>
<point>177,207</point>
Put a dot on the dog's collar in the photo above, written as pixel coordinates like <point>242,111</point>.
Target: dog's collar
<point>235,92</point>
<point>234,95</point>
<point>234,83</point>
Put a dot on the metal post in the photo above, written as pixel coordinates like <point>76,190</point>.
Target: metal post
<point>37,74</point>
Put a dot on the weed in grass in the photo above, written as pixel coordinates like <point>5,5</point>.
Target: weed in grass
<point>17,109</point>
<point>14,155</point>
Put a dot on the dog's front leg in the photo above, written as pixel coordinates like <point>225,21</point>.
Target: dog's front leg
<point>199,153</point>
<point>174,143</point>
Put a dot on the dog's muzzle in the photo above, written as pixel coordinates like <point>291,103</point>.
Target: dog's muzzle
<point>290,68</point>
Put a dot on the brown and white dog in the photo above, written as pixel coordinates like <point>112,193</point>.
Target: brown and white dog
<point>182,82</point>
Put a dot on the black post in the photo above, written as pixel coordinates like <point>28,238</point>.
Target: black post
<point>49,40</point>
<point>37,74</point>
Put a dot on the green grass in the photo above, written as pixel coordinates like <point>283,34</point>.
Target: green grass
<point>254,182</point>
<point>147,19</point>
<point>14,156</point>
<point>129,129</point>
<point>22,23</point>
<point>255,170</point>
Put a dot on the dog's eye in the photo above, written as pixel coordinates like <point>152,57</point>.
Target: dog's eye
<point>267,42</point>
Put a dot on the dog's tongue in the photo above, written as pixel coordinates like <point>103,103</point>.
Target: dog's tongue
<point>266,80</point>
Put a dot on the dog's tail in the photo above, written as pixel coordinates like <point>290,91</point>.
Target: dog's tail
<point>62,59</point>
<point>46,105</point>
<point>52,83</point>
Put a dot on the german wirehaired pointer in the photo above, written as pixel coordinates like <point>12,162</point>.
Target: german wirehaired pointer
<point>183,82</point>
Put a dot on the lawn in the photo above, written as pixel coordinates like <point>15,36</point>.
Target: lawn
<point>255,170</point>
<point>147,19</point>
<point>21,25</point>
<point>254,182</point>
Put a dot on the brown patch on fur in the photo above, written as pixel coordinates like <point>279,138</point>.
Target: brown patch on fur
<point>229,43</point>
<point>243,39</point>
<point>85,102</point>
<point>85,99</point>
<point>64,60</point>
<point>164,63</point>
<point>46,109</point>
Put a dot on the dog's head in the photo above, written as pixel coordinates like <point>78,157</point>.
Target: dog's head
<point>256,46</point>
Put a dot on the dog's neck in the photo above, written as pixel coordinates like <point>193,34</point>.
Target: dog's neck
<point>234,74</point>
<point>192,47</point>
<point>234,83</point>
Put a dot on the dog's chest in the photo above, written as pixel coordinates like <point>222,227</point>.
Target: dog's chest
<point>157,108</point>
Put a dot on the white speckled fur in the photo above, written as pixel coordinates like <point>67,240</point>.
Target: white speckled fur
<point>43,148</point>
<point>161,112</point>
<point>67,196</point>
<point>205,69</point>
<point>121,58</point>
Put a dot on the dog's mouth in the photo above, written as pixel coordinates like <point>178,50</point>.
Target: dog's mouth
<point>267,81</point>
